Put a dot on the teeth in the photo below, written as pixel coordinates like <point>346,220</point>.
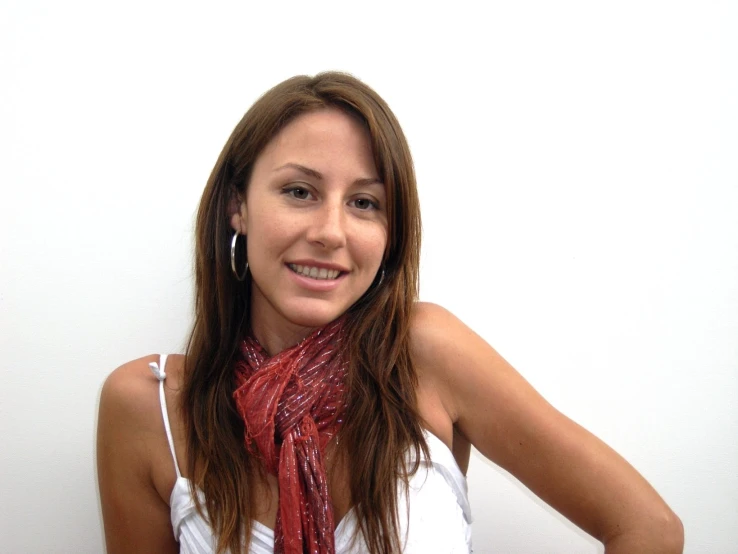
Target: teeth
<point>315,272</point>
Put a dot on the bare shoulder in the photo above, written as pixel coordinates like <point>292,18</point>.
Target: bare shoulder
<point>129,413</point>
<point>484,395</point>
<point>124,385</point>
<point>441,346</point>
<point>430,328</point>
<point>131,444</point>
<point>436,334</point>
<point>127,386</point>
<point>130,430</point>
<point>130,406</point>
<point>129,393</point>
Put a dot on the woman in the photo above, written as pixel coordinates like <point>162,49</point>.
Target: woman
<point>319,406</point>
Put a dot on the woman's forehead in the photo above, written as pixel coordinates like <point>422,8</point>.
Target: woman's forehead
<point>321,141</point>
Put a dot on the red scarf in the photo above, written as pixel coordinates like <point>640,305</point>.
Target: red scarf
<point>292,406</point>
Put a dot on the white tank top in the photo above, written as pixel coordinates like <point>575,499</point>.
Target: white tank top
<point>438,518</point>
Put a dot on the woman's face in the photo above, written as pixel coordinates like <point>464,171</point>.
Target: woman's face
<point>315,220</point>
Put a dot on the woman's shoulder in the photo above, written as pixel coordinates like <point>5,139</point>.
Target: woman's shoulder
<point>439,345</point>
<point>452,356</point>
<point>427,316</point>
<point>134,466</point>
<point>130,392</point>
<point>436,335</point>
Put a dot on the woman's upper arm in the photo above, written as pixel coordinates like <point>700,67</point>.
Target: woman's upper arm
<point>135,517</point>
<point>512,425</point>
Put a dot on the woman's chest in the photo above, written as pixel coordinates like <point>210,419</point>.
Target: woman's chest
<point>266,488</point>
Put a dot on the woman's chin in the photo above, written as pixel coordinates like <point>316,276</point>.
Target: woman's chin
<point>313,321</point>
<point>314,316</point>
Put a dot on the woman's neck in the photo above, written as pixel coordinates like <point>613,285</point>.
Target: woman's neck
<point>277,336</point>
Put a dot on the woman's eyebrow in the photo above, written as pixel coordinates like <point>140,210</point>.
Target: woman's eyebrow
<point>318,175</point>
<point>308,171</point>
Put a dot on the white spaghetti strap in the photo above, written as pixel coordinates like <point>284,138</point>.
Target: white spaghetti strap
<point>158,370</point>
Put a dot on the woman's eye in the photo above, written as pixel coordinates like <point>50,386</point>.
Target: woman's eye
<point>365,204</point>
<point>299,193</point>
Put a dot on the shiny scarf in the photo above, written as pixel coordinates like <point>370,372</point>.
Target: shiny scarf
<point>292,406</point>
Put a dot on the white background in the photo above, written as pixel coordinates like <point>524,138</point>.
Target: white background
<point>577,165</point>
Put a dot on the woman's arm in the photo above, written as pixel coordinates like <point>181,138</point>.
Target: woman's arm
<point>512,425</point>
<point>129,430</point>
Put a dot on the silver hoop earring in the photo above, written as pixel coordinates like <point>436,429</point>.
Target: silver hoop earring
<point>381,279</point>
<point>240,276</point>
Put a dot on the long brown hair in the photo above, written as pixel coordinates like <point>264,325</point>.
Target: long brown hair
<point>381,418</point>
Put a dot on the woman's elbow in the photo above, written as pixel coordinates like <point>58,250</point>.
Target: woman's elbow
<point>654,534</point>
<point>674,534</point>
<point>667,534</point>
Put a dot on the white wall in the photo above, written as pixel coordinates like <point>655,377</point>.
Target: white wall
<point>578,175</point>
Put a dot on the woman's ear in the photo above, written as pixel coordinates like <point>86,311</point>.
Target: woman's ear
<point>239,219</point>
<point>238,212</point>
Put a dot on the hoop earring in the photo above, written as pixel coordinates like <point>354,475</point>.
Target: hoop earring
<point>381,279</point>
<point>241,276</point>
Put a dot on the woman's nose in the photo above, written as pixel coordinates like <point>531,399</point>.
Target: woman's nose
<point>328,226</point>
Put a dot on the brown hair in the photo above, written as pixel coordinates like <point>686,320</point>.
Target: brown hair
<point>381,420</point>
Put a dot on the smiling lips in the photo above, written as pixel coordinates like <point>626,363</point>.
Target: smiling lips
<point>319,273</point>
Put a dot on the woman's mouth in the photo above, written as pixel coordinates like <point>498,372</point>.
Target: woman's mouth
<point>319,273</point>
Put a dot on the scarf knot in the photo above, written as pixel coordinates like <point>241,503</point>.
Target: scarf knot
<point>292,406</point>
